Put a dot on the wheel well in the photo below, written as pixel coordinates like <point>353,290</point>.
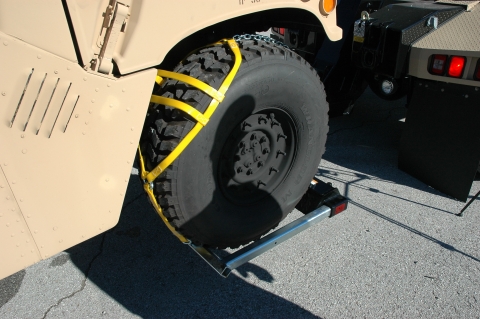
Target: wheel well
<point>258,21</point>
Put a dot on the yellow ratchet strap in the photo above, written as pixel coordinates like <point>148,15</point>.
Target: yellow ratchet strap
<point>202,120</point>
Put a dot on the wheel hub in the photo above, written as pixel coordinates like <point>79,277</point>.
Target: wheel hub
<point>257,156</point>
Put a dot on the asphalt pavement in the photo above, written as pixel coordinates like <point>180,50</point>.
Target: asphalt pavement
<point>397,252</point>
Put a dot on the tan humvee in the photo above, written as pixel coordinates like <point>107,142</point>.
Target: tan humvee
<point>76,82</point>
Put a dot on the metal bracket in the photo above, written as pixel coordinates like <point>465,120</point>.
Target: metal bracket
<point>225,265</point>
<point>121,13</point>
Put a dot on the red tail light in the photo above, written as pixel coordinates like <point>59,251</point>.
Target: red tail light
<point>281,31</point>
<point>339,208</point>
<point>439,62</point>
<point>456,66</point>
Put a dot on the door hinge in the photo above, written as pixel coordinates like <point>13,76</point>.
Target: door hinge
<point>114,23</point>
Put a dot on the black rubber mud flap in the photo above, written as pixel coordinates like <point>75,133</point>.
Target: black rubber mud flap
<point>441,142</point>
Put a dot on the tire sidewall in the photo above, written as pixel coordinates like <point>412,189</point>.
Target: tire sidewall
<point>288,85</point>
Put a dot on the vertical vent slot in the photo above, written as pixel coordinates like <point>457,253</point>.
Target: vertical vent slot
<point>60,110</point>
<point>21,98</point>
<point>73,110</point>
<point>48,104</point>
<point>35,102</point>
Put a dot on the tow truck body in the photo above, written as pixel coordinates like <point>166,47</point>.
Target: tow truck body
<point>426,50</point>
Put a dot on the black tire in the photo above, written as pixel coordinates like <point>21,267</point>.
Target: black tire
<point>204,194</point>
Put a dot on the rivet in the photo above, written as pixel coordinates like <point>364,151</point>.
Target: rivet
<point>476,89</point>
<point>442,90</point>
<point>111,105</point>
<point>107,180</point>
<point>131,129</point>
<point>60,241</point>
<point>27,241</point>
<point>39,56</point>
<point>55,228</point>
<point>126,181</point>
<point>96,89</point>
<point>5,43</point>
<point>8,225</point>
<point>21,200</point>
<point>123,90</point>
<point>121,194</point>
<point>108,84</point>
<point>426,85</point>
<point>12,235</point>
<point>8,197</point>
<point>5,164</point>
<point>13,209</point>
<point>4,93</point>
<point>18,245</point>
<point>1,215</point>
<point>466,96</point>
<point>28,216</point>
<point>84,133</point>
<point>46,256</point>
<point>93,101</point>
<point>68,68</point>
<point>1,186</point>
<point>22,136</point>
<point>56,72</point>
<point>14,182</point>
<point>84,78</point>
<point>76,116</point>
<point>99,228</point>
<point>420,84</point>
<point>128,109</point>
<point>36,231</point>
<point>22,231</point>
<point>24,151</point>
<point>86,122</point>
<point>31,250</point>
<point>131,142</point>
<point>21,255</point>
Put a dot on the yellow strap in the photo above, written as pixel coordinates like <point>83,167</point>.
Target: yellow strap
<point>208,113</point>
<point>193,82</point>
<point>181,106</point>
<point>202,119</point>
<point>154,202</point>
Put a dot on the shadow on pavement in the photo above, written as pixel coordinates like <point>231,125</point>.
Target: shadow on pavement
<point>143,267</point>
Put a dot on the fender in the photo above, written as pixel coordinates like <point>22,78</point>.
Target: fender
<point>154,27</point>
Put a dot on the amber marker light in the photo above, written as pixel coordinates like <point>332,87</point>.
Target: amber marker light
<point>327,6</point>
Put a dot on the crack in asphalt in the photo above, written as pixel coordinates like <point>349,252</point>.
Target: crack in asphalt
<point>90,265</point>
<point>84,281</point>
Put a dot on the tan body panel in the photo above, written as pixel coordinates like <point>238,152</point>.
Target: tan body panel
<point>459,36</point>
<point>68,186</point>
<point>168,22</point>
<point>41,23</point>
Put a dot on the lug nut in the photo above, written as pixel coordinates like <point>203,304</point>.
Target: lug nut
<point>239,170</point>
<point>257,158</point>
<point>244,125</point>
<point>247,164</point>
<point>261,163</point>
<point>254,143</point>
<point>253,137</point>
<point>279,136</point>
<point>250,172</point>
<point>263,139</point>
<point>281,153</point>
<point>261,183</point>
<point>241,144</point>
<point>262,119</point>
<point>266,151</point>
<point>273,169</point>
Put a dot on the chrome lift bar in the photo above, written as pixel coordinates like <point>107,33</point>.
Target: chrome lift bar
<point>317,194</point>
